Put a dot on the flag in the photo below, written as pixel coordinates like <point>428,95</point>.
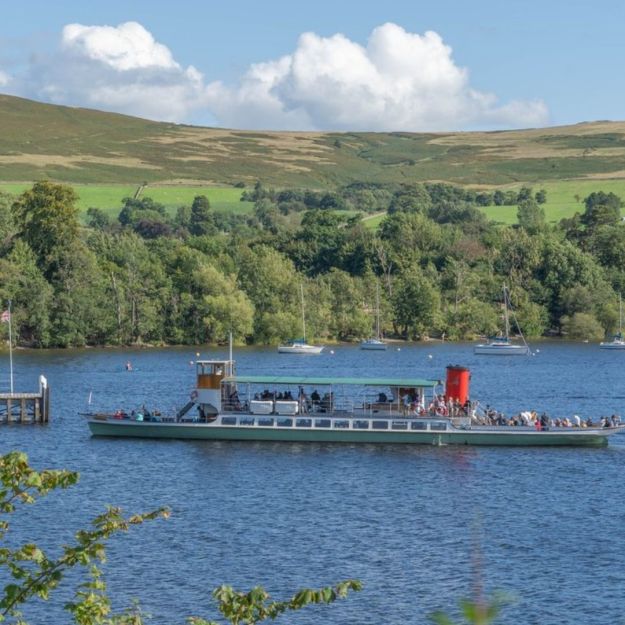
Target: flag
<point>5,317</point>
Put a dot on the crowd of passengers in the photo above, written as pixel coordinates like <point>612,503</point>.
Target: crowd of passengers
<point>490,416</point>
<point>412,404</point>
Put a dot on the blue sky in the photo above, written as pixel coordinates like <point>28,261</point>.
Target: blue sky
<point>363,65</point>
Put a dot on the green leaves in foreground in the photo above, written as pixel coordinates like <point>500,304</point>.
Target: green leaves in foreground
<point>475,612</point>
<point>34,573</point>
<point>255,606</point>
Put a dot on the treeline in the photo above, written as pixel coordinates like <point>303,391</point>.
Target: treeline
<point>148,277</point>
<point>374,197</point>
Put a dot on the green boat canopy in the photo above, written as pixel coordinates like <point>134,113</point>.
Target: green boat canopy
<point>271,380</point>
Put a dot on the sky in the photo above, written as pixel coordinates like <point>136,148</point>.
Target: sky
<point>326,65</point>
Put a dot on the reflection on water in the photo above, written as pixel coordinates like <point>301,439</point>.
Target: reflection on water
<point>402,519</point>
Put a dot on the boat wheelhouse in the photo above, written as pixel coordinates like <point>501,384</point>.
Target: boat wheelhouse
<point>225,406</point>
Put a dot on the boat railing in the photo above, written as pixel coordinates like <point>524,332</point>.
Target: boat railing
<point>318,421</point>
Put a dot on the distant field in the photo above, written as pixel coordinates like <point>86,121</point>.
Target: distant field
<point>109,197</point>
<point>564,198</point>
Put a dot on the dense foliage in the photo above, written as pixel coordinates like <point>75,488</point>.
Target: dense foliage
<point>150,277</point>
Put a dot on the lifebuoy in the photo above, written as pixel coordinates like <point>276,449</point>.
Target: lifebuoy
<point>194,395</point>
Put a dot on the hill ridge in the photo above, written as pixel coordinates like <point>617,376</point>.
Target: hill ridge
<point>81,145</point>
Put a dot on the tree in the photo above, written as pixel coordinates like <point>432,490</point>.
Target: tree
<point>46,217</point>
<point>98,219</point>
<point>525,193</point>
<point>270,281</point>
<point>531,216</point>
<point>201,220</point>
<point>410,199</point>
<point>582,326</point>
<point>24,283</point>
<point>601,209</point>
<point>416,304</point>
<point>6,219</point>
<point>541,196</point>
<point>499,198</point>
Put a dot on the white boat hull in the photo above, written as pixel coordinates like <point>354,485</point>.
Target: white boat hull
<point>505,349</point>
<point>373,344</point>
<point>300,348</point>
<point>613,345</point>
<point>333,430</point>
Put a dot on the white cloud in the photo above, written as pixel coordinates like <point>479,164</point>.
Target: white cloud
<point>5,79</point>
<point>127,47</point>
<point>398,81</point>
<point>121,69</point>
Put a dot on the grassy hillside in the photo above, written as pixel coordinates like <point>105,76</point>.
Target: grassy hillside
<point>91,147</point>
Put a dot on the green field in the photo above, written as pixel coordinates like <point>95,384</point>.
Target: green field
<point>564,198</point>
<point>109,197</point>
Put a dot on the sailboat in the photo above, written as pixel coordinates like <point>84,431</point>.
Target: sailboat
<point>300,346</point>
<point>375,343</point>
<point>617,341</point>
<point>501,345</point>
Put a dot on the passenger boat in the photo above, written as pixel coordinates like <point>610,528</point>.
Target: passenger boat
<point>501,345</point>
<point>225,406</point>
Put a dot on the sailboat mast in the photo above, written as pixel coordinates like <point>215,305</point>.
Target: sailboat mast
<point>620,315</point>
<point>301,286</point>
<point>377,311</point>
<point>10,346</point>
<point>505,311</point>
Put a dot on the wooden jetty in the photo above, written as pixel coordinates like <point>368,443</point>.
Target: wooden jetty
<point>26,407</point>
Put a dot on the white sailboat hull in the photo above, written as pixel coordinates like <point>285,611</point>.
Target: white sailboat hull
<point>373,344</point>
<point>616,344</point>
<point>502,349</point>
<point>300,348</point>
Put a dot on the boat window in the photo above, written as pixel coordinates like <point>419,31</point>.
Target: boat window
<point>342,424</point>
<point>438,425</point>
<point>418,425</point>
<point>246,421</point>
<point>285,423</point>
<point>303,423</point>
<point>360,425</point>
<point>323,423</point>
<point>399,425</point>
<point>379,425</point>
<point>265,421</point>
<point>228,420</point>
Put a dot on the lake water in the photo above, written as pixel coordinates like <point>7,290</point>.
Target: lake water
<point>544,525</point>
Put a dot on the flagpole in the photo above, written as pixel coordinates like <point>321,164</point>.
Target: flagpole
<point>10,349</point>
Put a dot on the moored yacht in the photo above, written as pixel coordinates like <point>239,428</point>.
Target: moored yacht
<point>501,345</point>
<point>375,343</point>
<point>300,346</point>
